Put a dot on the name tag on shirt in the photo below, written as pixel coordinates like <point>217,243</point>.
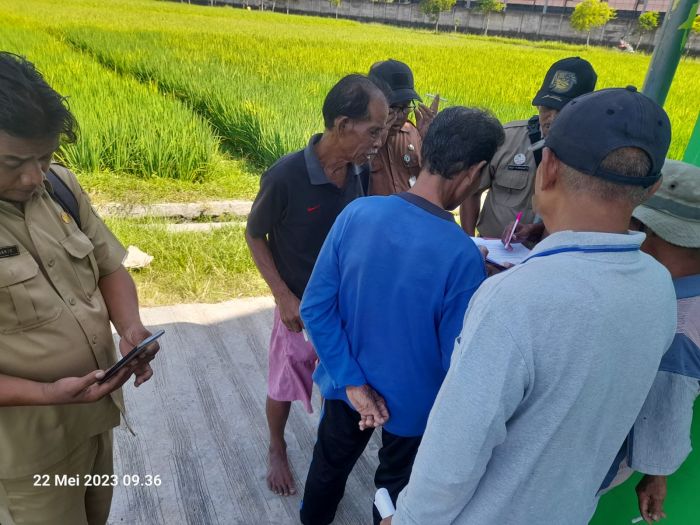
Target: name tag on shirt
<point>9,251</point>
<point>515,167</point>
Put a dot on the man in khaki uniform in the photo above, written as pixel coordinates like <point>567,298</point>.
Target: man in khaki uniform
<point>510,176</point>
<point>396,166</point>
<point>60,285</point>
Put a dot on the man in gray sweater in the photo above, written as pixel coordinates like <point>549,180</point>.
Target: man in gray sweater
<point>557,354</point>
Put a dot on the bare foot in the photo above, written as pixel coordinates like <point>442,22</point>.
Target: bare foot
<point>279,476</point>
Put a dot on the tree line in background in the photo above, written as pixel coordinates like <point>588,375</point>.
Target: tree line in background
<point>587,15</point>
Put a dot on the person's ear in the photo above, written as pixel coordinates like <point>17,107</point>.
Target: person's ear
<point>341,124</point>
<point>549,170</point>
<point>656,186</point>
<point>469,180</point>
<point>474,171</point>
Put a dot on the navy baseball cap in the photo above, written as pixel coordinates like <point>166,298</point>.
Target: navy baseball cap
<point>566,79</point>
<point>596,124</point>
<point>399,77</point>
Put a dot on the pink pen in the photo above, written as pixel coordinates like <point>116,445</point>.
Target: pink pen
<point>512,232</point>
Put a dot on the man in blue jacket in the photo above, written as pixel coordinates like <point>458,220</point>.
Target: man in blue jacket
<point>383,306</point>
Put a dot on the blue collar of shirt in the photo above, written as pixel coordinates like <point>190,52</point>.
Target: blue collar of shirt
<point>426,205</point>
<point>687,286</point>
<point>571,239</point>
<point>313,165</point>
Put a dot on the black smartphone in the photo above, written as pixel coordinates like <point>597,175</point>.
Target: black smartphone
<point>133,354</point>
<point>495,264</point>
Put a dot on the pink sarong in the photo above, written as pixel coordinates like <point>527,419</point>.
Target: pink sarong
<point>292,361</point>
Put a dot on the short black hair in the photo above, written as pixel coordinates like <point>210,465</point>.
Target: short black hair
<point>29,107</point>
<point>383,86</point>
<point>460,137</point>
<point>350,97</point>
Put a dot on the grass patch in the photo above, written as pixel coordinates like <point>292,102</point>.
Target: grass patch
<point>228,179</point>
<point>190,267</point>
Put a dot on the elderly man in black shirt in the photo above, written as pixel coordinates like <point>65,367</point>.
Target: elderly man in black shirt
<point>300,196</point>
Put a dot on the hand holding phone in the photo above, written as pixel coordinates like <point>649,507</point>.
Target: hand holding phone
<point>496,265</point>
<point>135,352</point>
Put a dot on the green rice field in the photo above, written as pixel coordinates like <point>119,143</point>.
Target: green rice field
<point>127,126</point>
<point>171,90</point>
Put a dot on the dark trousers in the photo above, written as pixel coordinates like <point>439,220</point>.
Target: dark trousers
<point>339,444</point>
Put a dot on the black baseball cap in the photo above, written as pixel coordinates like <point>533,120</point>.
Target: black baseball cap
<point>594,125</point>
<point>399,78</point>
<point>566,79</point>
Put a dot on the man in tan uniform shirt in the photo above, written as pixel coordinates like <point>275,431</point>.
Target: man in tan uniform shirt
<point>60,285</point>
<point>396,166</point>
<point>510,176</point>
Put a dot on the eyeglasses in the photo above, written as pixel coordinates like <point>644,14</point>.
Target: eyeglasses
<point>404,108</point>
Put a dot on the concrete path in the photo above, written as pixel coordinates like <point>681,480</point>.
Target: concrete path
<point>200,426</point>
<point>191,210</point>
<point>200,227</point>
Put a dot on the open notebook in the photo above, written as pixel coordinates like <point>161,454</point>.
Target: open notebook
<point>498,252</point>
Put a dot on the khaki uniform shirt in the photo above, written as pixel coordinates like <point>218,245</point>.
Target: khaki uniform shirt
<point>397,161</point>
<point>53,323</point>
<point>511,178</point>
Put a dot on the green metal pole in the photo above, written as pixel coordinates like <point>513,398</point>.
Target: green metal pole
<point>674,34</point>
<point>692,152</point>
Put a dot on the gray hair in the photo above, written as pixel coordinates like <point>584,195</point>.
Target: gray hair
<point>630,162</point>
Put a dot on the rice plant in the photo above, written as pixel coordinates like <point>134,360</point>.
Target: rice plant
<point>125,126</point>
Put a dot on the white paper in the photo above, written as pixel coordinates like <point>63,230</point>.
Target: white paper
<point>135,258</point>
<point>499,253</point>
<point>382,501</point>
